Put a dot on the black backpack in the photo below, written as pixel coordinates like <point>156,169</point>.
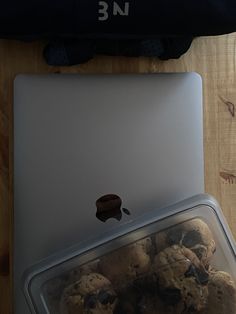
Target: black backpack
<point>79,29</point>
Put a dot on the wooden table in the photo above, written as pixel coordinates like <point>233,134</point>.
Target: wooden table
<point>213,57</point>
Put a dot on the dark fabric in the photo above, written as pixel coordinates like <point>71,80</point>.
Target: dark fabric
<point>71,52</point>
<point>68,52</point>
<point>34,19</point>
<point>130,48</point>
<point>173,48</point>
<point>79,29</point>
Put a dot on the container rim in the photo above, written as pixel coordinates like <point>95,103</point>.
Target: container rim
<point>116,232</point>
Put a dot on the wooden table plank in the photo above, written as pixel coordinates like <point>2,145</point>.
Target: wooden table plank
<point>213,57</point>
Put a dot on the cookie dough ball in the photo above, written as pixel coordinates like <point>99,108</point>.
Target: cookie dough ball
<point>124,265</point>
<point>76,273</point>
<point>222,294</point>
<point>193,234</point>
<point>54,287</point>
<point>181,277</point>
<point>146,245</point>
<point>92,294</point>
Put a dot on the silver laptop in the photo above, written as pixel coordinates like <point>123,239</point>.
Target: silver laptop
<point>80,137</point>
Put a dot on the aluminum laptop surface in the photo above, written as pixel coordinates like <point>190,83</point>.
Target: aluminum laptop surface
<point>78,137</point>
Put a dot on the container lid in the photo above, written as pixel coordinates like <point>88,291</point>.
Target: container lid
<point>177,260</point>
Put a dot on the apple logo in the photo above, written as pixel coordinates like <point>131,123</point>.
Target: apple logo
<point>109,206</point>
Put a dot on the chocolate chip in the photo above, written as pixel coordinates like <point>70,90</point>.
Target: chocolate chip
<point>174,236</point>
<point>200,275</point>
<point>192,238</point>
<point>105,297</point>
<point>191,272</point>
<point>171,296</point>
<point>200,252</point>
<point>90,301</point>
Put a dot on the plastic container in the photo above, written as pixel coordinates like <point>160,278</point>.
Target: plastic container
<point>180,259</point>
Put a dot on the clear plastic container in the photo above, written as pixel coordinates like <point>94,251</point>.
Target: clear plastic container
<point>180,259</point>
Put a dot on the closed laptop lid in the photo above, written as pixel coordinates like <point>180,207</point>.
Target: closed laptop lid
<point>80,137</point>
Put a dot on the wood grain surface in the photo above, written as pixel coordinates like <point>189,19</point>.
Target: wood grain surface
<point>213,57</point>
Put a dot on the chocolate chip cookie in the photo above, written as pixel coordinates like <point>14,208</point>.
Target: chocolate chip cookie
<point>122,267</point>
<point>92,294</point>
<point>193,234</point>
<point>222,294</point>
<point>182,278</point>
<point>54,287</point>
